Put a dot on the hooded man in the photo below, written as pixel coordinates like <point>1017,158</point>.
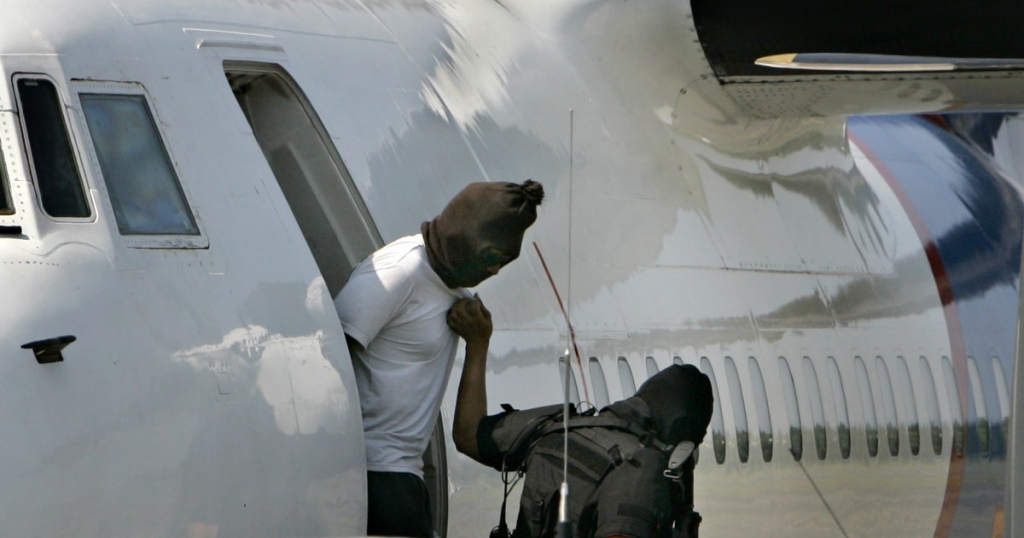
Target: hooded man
<point>617,459</point>
<point>394,310</point>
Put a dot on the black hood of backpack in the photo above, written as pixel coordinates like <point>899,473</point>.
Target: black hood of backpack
<point>676,404</point>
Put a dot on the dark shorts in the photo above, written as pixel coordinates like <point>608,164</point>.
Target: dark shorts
<point>398,505</point>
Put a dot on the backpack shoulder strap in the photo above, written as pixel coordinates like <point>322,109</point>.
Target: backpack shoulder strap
<point>686,521</point>
<point>613,422</point>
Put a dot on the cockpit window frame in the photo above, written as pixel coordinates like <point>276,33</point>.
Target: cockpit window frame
<point>73,149</point>
<point>6,196</point>
<point>198,240</point>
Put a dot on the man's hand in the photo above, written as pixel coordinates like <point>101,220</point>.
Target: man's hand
<point>471,320</point>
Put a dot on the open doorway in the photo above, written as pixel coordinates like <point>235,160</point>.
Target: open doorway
<point>325,203</point>
<point>312,176</point>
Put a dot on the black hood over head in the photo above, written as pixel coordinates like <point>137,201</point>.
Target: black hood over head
<point>680,403</point>
<point>482,215</point>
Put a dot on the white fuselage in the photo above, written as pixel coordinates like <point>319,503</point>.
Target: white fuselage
<point>209,391</point>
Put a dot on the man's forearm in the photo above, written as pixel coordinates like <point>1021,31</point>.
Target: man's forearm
<point>471,403</point>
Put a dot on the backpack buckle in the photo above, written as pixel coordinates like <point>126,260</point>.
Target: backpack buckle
<point>681,453</point>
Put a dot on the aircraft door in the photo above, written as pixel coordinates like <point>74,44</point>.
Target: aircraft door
<point>311,174</point>
<point>435,474</point>
<point>325,203</point>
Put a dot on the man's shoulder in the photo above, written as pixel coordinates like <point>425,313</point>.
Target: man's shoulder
<point>387,271</point>
<point>404,257</point>
<point>402,251</point>
<point>511,433</point>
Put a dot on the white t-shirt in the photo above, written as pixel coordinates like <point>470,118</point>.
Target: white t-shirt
<point>396,306</point>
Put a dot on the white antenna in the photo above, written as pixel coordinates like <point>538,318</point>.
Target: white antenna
<point>568,310</point>
<point>564,522</point>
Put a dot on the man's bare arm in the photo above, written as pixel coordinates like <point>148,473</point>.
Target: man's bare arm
<point>471,320</point>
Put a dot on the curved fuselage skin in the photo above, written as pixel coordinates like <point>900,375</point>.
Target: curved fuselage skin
<point>842,279</point>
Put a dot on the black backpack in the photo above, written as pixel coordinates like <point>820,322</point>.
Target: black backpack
<point>597,445</point>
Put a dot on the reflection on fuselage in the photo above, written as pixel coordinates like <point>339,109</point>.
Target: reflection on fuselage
<point>889,378</point>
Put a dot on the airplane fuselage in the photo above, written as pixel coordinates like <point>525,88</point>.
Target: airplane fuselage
<point>850,284</point>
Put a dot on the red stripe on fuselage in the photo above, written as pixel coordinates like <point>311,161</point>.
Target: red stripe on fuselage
<point>956,338</point>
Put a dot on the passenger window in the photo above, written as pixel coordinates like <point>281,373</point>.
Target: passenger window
<point>889,402</point>
<point>675,360</point>
<point>626,378</point>
<point>910,404</point>
<point>600,385</point>
<point>979,402</point>
<point>1004,396</point>
<point>739,410</point>
<point>868,402</point>
<point>932,399</point>
<point>817,411</point>
<point>764,416</point>
<point>652,367</point>
<point>574,391</point>
<point>52,157</point>
<point>796,435</point>
<point>717,421</point>
<point>143,187</point>
<point>953,395</point>
<point>842,414</point>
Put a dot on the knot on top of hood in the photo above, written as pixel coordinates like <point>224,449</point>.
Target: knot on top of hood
<point>483,217</point>
<point>680,401</point>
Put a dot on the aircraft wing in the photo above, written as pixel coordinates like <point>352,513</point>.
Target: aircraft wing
<point>803,58</point>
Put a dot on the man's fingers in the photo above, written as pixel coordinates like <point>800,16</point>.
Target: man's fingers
<point>479,306</point>
<point>459,307</point>
<point>459,312</point>
<point>468,311</point>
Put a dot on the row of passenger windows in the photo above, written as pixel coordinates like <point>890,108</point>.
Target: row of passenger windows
<point>145,194</point>
<point>898,391</point>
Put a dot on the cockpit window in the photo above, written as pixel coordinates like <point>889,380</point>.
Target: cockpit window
<point>60,186</point>
<point>144,190</point>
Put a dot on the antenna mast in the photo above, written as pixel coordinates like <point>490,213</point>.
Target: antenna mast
<point>564,521</point>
